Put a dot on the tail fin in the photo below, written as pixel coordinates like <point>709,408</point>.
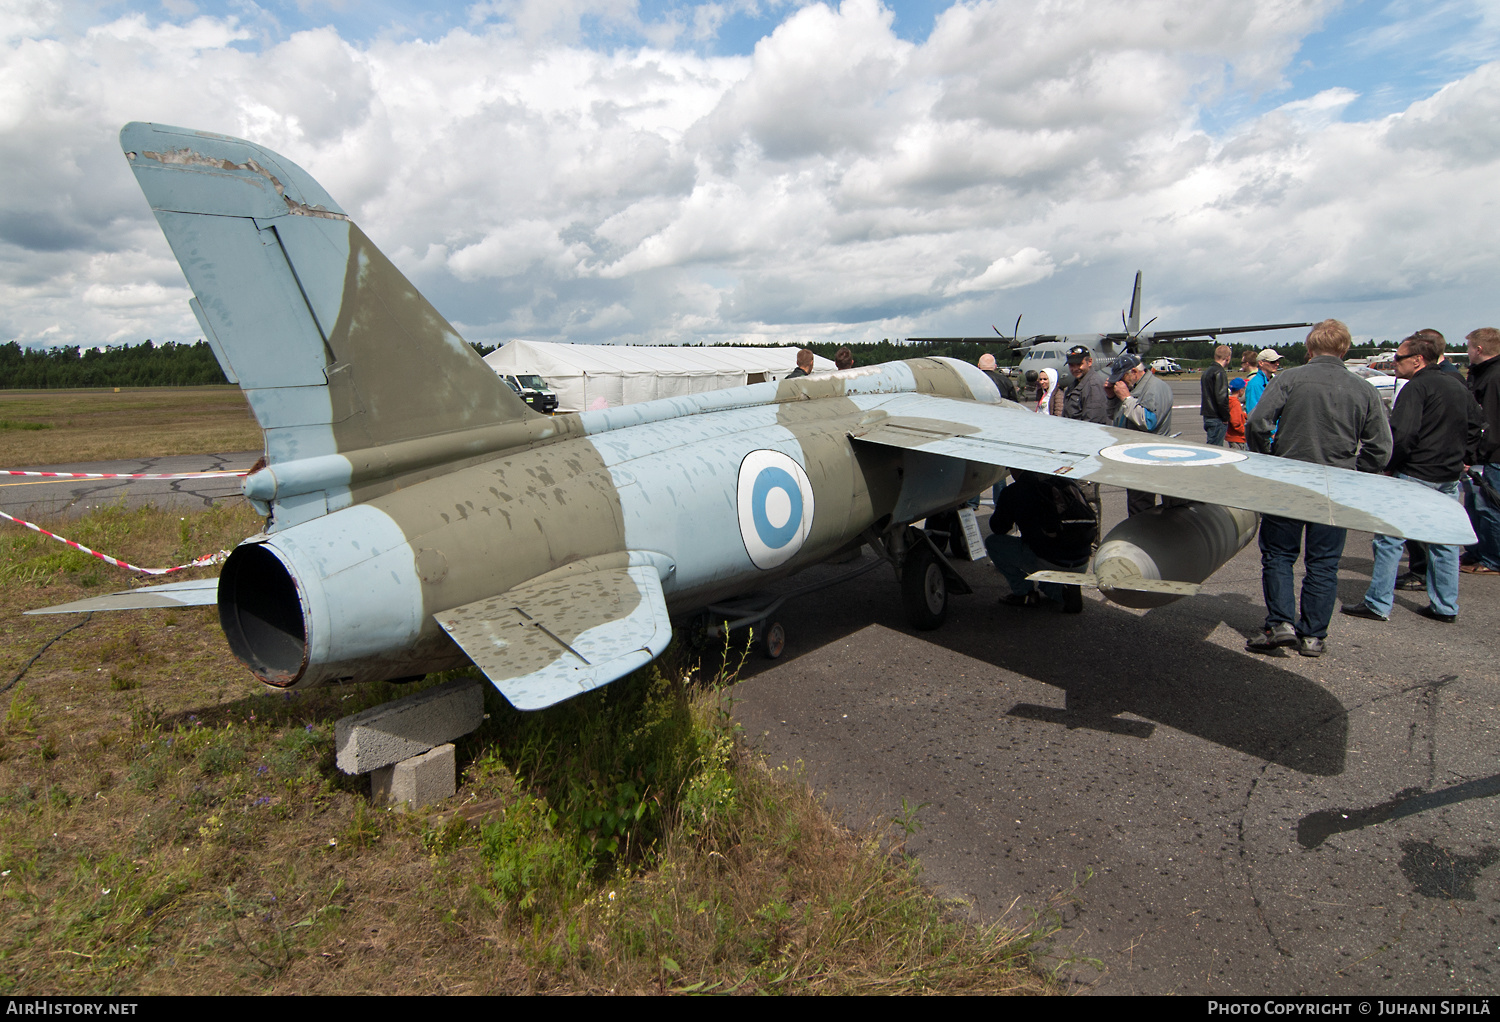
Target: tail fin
<point>336,351</point>
<point>1135,307</point>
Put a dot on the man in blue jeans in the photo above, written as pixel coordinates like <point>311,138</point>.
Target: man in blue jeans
<point>1213,385</point>
<point>1434,423</point>
<point>1323,414</point>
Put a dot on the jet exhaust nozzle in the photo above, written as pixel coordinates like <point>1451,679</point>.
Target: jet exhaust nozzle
<point>331,600</point>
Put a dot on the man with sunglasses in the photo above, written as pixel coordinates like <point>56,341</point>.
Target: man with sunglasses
<point>1434,423</point>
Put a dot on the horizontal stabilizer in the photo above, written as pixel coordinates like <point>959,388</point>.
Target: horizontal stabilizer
<point>1009,437</point>
<point>203,592</point>
<point>1136,583</point>
<point>564,633</point>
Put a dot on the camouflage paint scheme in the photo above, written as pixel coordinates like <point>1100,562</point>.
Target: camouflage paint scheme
<point>421,517</point>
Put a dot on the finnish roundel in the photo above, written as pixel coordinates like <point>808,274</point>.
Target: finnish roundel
<point>775,503</point>
<point>1163,455</point>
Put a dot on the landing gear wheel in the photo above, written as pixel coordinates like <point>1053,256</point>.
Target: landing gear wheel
<point>924,588</point>
<point>773,640</point>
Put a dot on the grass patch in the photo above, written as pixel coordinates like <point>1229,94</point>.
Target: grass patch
<point>171,826</point>
<point>50,427</point>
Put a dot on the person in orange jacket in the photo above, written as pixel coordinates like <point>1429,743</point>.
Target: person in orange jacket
<point>1235,435</point>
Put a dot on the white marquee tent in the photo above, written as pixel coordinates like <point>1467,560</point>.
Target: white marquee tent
<point>588,376</point>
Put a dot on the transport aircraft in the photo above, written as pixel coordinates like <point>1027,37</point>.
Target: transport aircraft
<point>1050,351</point>
<point>420,517</point>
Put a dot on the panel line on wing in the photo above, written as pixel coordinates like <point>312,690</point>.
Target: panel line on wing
<point>553,636</point>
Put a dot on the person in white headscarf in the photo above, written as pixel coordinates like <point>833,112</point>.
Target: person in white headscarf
<point>1046,387</point>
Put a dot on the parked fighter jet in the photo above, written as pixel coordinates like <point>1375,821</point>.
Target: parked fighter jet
<point>419,516</point>
<point>1049,351</point>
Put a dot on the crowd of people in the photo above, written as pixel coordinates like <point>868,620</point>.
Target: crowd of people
<point>1443,432</point>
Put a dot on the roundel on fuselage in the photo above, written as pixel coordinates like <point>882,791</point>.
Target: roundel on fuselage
<point>775,502</point>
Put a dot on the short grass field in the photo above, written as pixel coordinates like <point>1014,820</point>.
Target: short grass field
<point>170,826</point>
<point>54,427</point>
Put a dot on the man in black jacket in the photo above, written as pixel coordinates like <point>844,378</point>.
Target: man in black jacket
<point>991,368</point>
<point>1484,384</point>
<point>1433,424</point>
<point>1214,384</point>
<point>1057,530</point>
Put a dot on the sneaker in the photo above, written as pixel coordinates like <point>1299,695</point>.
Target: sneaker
<point>1411,582</point>
<point>1308,646</point>
<point>1278,635</point>
<point>1446,619</point>
<point>1363,610</point>
<point>1030,599</point>
<point>1072,600</point>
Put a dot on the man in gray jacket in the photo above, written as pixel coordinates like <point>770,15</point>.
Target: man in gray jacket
<point>1323,414</point>
<point>1087,400</point>
<point>1141,402</point>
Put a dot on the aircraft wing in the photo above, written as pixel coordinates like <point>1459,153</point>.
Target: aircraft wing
<point>203,592</point>
<point>564,633</point>
<point>1014,438</point>
<point>1157,336</point>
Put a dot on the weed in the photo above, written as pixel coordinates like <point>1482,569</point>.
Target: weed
<point>21,713</point>
<point>221,755</point>
<point>363,829</point>
<point>906,820</point>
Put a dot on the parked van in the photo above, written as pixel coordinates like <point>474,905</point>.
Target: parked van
<point>533,390</point>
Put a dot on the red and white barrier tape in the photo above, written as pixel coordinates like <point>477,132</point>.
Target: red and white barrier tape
<point>201,562</point>
<point>122,475</point>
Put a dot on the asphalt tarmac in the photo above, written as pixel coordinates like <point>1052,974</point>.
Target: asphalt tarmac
<point>1203,820</point>
<point>30,498</point>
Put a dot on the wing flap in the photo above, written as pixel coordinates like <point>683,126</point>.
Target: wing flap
<point>1017,439</point>
<point>564,633</point>
<point>203,592</point>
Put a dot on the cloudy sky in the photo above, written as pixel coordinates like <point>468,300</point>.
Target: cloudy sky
<point>663,171</point>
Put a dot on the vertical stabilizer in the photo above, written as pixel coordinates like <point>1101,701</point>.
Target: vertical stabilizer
<point>335,349</point>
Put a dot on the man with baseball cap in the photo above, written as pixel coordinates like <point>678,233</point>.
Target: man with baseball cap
<point>1269,361</point>
<point>1141,402</point>
<point>1088,398</point>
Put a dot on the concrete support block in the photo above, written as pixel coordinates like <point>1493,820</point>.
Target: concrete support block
<point>418,781</point>
<point>403,728</point>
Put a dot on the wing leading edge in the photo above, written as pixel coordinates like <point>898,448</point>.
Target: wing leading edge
<point>566,632</point>
<point>1013,438</point>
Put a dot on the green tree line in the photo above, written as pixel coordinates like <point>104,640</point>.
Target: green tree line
<point>138,365</point>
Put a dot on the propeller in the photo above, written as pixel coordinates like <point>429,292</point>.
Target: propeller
<point>1015,336</point>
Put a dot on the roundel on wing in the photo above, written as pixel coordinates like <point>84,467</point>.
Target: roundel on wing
<point>775,502</point>
<point>1161,454</point>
